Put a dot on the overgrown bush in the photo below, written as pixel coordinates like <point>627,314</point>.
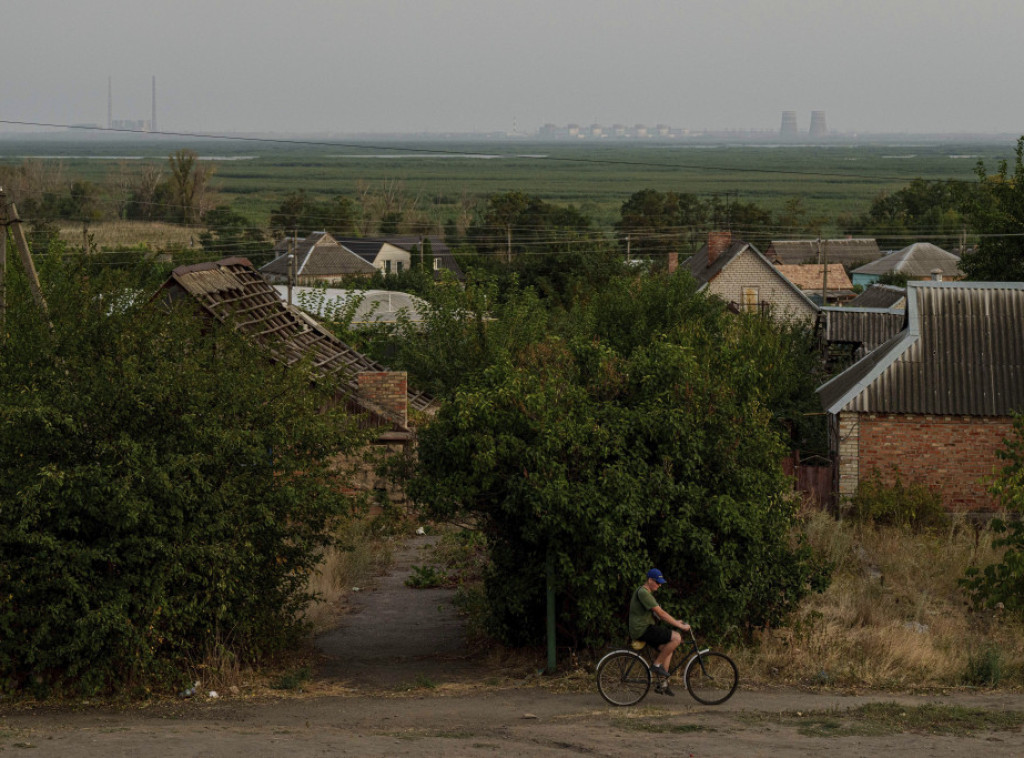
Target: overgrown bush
<point>894,503</point>
<point>610,453</point>
<point>165,491</point>
<point>1000,584</point>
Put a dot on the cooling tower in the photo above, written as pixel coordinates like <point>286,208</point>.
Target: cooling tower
<point>818,128</point>
<point>788,129</point>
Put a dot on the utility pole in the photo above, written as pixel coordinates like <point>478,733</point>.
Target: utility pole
<point>508,231</point>
<point>824,271</point>
<point>11,220</point>
<point>291,266</point>
<point>421,255</point>
<point>3,265</point>
<point>627,248</point>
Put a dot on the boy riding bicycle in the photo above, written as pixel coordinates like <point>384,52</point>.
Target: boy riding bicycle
<point>644,615</point>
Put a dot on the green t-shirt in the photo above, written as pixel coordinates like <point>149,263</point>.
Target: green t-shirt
<point>640,615</point>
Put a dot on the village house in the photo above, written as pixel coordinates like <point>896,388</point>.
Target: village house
<point>918,262</point>
<point>849,251</point>
<point>823,284</point>
<point>935,402</point>
<point>736,272</point>
<point>399,253</point>
<point>314,259</point>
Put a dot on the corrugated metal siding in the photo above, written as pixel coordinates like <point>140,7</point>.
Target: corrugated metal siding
<point>870,328</point>
<point>968,358</point>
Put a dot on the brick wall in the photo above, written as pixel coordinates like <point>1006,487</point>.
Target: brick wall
<point>749,270</point>
<point>954,455</point>
<point>389,391</point>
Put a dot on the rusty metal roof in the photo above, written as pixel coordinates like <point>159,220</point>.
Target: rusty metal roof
<point>846,251</point>
<point>962,353</point>
<point>232,291</point>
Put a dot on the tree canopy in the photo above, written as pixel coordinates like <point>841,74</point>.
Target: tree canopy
<point>164,490</point>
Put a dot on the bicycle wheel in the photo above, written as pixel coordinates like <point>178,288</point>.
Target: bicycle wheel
<point>711,678</point>
<point>623,678</point>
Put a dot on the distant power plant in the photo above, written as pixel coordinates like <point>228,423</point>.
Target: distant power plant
<point>788,124</point>
<point>789,129</point>
<point>132,125</point>
<point>818,128</point>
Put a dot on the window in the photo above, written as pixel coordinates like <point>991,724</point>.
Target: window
<point>749,300</point>
<point>399,263</point>
<point>387,266</point>
<point>437,265</point>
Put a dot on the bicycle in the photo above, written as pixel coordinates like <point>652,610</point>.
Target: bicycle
<point>624,676</point>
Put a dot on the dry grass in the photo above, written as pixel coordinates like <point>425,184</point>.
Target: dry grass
<point>362,554</point>
<point>120,235</point>
<point>893,617</point>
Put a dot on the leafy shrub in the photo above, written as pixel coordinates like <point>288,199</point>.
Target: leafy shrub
<point>426,577</point>
<point>633,443</point>
<point>985,667</point>
<point>999,584</point>
<point>164,490</point>
<point>897,504</point>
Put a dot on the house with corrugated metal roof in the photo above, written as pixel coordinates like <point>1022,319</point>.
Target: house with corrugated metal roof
<point>739,274</point>
<point>822,283</point>
<point>918,262</point>
<point>849,251</point>
<point>313,259</point>
<point>881,296</point>
<point>847,334</point>
<point>935,402</point>
<point>400,252</point>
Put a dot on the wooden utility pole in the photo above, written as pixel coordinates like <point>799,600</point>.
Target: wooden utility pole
<point>824,272</point>
<point>3,264</point>
<point>11,220</point>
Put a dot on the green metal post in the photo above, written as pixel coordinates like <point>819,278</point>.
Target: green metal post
<point>551,611</point>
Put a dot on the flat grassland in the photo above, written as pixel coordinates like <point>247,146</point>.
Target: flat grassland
<point>253,175</point>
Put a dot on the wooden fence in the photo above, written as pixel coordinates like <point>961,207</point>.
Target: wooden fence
<point>813,475</point>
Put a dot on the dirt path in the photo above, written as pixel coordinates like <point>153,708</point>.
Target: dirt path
<point>395,635</point>
<point>409,689</point>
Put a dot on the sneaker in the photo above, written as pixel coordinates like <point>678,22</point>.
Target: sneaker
<point>664,689</point>
<point>659,670</point>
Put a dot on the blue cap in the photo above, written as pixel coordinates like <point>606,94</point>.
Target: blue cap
<point>656,576</point>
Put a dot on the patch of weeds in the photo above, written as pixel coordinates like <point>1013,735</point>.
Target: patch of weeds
<point>421,682</point>
<point>985,668</point>
<point>427,577</point>
<point>293,680</point>
<point>659,727</point>
<point>875,719</point>
<point>453,734</point>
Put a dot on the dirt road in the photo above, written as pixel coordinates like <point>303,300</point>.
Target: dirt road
<point>417,693</point>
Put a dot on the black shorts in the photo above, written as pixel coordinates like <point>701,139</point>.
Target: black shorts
<point>656,635</point>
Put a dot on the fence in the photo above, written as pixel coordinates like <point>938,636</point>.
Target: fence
<point>814,477</point>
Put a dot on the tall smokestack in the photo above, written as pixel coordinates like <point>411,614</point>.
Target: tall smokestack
<point>788,129</point>
<point>152,120</point>
<point>110,102</point>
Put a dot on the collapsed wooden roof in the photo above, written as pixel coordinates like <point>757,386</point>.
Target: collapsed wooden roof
<point>233,292</point>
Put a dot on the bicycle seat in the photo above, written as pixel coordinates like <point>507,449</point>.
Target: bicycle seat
<point>637,645</point>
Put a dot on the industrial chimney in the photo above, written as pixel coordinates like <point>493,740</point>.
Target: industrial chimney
<point>152,120</point>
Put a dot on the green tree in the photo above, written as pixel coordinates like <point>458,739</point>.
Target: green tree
<point>998,218</point>
<point>230,233</point>
<point>188,186</point>
<point>661,222</point>
<point>1001,583</point>
<point>614,453</point>
<point>165,492</point>
<point>302,214</point>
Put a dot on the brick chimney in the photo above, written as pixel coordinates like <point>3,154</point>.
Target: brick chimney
<point>673,262</point>
<point>718,243</point>
<point>389,391</point>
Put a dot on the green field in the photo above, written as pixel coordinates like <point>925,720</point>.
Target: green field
<point>253,175</point>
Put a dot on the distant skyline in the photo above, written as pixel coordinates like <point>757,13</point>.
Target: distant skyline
<point>393,66</point>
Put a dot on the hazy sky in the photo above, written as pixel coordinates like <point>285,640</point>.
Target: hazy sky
<point>475,65</point>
